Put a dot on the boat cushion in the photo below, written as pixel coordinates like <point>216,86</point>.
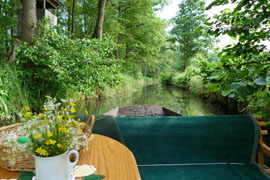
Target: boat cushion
<point>190,140</point>
<point>203,172</point>
<point>104,125</point>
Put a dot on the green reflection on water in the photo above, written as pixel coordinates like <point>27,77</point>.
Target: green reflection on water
<point>171,98</point>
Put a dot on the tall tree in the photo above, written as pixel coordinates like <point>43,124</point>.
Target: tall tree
<point>99,25</point>
<point>139,44</point>
<point>188,29</point>
<point>73,18</point>
<point>7,26</point>
<point>29,19</point>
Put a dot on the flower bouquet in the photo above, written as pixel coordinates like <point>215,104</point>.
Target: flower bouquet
<point>46,134</point>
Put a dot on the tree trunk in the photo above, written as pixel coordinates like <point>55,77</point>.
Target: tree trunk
<point>101,12</point>
<point>6,27</point>
<point>13,16</point>
<point>145,71</point>
<point>119,39</point>
<point>186,62</point>
<point>14,42</point>
<point>29,19</point>
<point>13,53</point>
<point>73,19</point>
<point>69,19</point>
<point>127,52</point>
<point>85,24</point>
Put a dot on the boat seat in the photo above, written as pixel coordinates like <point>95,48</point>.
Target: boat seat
<point>194,147</point>
<point>104,125</point>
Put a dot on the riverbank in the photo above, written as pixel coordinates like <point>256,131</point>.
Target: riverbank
<point>128,86</point>
<point>171,98</point>
<point>194,83</point>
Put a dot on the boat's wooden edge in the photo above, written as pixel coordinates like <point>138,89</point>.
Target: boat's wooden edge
<point>112,112</point>
<point>139,110</point>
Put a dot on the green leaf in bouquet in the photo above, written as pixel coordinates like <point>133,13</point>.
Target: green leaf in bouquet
<point>26,175</point>
<point>94,177</point>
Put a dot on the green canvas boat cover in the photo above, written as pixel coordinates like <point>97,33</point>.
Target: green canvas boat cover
<point>191,148</point>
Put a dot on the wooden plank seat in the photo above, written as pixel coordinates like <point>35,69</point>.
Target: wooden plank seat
<point>201,147</point>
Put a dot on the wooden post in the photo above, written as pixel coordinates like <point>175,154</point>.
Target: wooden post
<point>263,148</point>
<point>260,158</point>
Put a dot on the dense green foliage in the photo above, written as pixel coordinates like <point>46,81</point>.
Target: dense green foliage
<point>131,24</point>
<point>135,44</point>
<point>55,64</point>
<point>58,65</point>
<point>13,95</point>
<point>7,27</point>
<point>241,72</point>
<point>189,30</point>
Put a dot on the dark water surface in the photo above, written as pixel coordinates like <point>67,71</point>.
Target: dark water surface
<point>171,98</point>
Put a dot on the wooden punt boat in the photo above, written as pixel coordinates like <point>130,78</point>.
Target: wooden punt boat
<point>141,111</point>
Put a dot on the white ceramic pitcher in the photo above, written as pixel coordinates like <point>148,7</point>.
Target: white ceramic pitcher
<point>56,167</point>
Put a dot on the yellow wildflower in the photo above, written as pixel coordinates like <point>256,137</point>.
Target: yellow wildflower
<point>47,96</point>
<point>27,108</point>
<point>67,131</point>
<point>47,142</point>
<point>46,109</point>
<point>65,109</point>
<point>27,114</point>
<point>70,117</point>
<point>62,129</point>
<point>75,123</point>
<point>72,104</point>
<point>50,141</point>
<point>80,130</point>
<point>60,118</point>
<point>49,134</point>
<point>41,114</point>
<point>83,124</point>
<point>79,119</point>
<point>86,112</point>
<point>44,152</point>
<point>34,116</point>
<point>38,150</point>
<point>41,151</point>
<point>59,145</point>
<point>37,135</point>
<point>73,110</point>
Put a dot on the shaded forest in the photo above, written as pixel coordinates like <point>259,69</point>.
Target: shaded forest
<point>98,46</point>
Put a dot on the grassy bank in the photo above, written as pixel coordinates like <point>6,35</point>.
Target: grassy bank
<point>191,80</point>
<point>14,95</point>
<point>128,85</point>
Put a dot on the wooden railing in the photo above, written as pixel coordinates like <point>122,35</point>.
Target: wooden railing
<point>262,148</point>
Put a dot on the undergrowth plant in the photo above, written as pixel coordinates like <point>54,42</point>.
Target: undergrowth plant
<point>13,96</point>
<point>55,64</point>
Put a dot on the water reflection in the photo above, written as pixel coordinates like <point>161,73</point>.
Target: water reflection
<point>169,97</point>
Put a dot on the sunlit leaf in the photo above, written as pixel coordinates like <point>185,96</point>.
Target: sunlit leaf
<point>261,81</point>
<point>213,77</point>
<point>236,85</point>
<point>226,92</point>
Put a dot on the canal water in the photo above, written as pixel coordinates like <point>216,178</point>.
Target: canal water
<point>172,98</point>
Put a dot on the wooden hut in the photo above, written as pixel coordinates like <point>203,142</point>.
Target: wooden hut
<point>45,8</point>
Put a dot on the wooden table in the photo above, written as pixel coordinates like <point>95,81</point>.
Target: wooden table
<point>109,157</point>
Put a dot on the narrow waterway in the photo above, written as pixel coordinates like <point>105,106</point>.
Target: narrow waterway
<point>169,97</point>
